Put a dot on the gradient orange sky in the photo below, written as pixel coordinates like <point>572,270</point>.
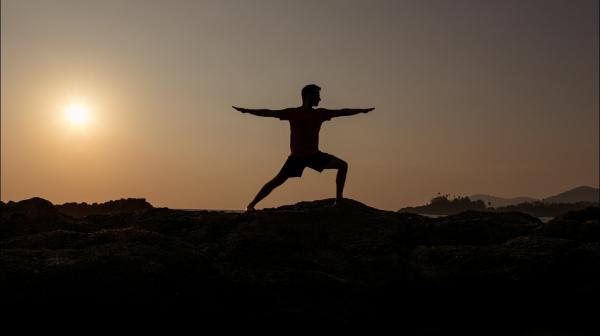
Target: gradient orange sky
<point>496,97</point>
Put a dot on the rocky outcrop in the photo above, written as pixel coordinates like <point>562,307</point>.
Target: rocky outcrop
<point>308,262</point>
<point>31,216</point>
<point>580,225</point>
<point>79,210</point>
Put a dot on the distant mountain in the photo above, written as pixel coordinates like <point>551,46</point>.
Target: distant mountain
<point>579,194</point>
<point>500,201</point>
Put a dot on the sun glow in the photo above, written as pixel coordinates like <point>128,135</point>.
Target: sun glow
<point>78,114</point>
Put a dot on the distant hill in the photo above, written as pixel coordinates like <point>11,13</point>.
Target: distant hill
<point>576,195</point>
<point>501,201</point>
<point>541,209</point>
<point>442,205</point>
<point>579,194</point>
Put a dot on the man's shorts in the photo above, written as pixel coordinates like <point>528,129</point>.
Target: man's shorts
<point>294,165</point>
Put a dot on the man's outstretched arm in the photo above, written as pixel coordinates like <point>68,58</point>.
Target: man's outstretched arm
<point>260,112</point>
<point>348,112</point>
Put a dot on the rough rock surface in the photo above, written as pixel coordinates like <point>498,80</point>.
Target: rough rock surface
<point>307,263</point>
<point>79,210</point>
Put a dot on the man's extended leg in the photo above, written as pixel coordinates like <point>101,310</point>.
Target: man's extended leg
<point>266,190</point>
<point>340,179</point>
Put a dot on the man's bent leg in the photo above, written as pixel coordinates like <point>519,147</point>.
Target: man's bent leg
<point>266,190</point>
<point>340,179</point>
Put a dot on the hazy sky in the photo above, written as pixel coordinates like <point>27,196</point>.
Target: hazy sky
<point>497,97</point>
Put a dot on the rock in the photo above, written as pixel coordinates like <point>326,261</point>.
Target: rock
<point>302,263</point>
<point>582,225</point>
<point>128,205</point>
<point>534,260</point>
<point>475,228</point>
<point>31,216</point>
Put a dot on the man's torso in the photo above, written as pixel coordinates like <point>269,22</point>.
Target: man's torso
<point>305,125</point>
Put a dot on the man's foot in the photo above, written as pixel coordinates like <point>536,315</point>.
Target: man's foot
<point>337,202</point>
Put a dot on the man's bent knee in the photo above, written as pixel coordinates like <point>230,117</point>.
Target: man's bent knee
<point>337,163</point>
<point>343,165</point>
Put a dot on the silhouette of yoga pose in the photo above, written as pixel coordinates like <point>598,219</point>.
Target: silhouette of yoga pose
<point>305,124</point>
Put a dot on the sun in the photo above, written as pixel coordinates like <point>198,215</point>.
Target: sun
<point>78,114</point>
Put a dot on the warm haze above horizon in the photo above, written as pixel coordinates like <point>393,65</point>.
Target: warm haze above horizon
<point>103,100</point>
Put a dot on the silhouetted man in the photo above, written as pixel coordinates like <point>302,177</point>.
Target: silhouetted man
<point>305,123</point>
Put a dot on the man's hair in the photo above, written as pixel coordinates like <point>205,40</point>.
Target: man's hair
<point>309,90</point>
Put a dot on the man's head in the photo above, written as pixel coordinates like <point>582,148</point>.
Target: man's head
<point>311,95</point>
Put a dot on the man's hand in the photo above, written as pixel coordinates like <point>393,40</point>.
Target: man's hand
<point>243,110</point>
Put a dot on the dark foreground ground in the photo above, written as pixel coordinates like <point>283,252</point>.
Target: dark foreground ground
<point>304,265</point>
